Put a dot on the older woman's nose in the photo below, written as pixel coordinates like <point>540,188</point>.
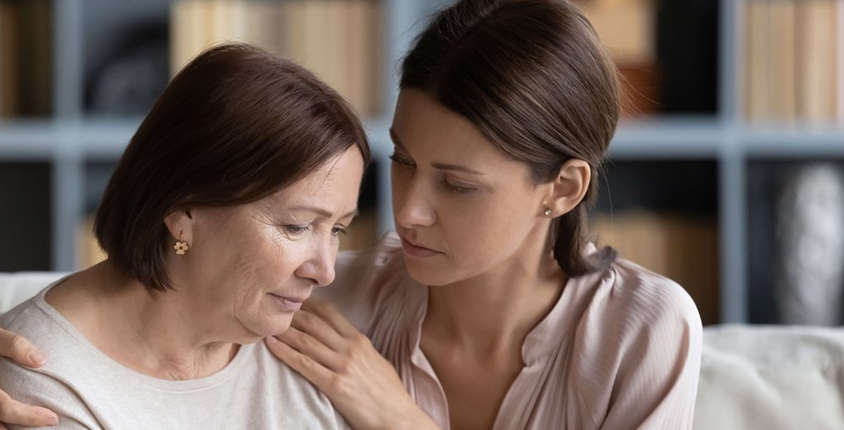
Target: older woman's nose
<point>319,267</point>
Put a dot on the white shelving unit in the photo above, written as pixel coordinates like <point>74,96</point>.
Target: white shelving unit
<point>69,139</point>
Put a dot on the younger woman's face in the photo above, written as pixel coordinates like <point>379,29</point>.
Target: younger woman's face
<point>461,206</point>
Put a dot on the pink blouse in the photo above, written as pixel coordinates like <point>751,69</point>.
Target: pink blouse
<point>619,350</point>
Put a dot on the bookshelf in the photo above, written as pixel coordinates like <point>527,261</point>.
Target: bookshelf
<point>72,147</point>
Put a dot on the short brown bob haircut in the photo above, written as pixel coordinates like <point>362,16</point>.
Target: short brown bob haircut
<point>236,125</point>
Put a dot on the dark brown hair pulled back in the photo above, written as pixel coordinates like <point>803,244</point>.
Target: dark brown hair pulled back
<point>535,80</point>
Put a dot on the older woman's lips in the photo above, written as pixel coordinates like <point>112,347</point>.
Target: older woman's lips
<point>417,251</point>
<point>287,304</point>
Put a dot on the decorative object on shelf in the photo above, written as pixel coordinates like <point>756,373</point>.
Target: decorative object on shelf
<point>130,82</point>
<point>809,223</point>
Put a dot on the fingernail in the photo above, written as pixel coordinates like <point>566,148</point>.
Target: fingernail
<point>51,418</point>
<point>37,357</point>
<point>272,339</point>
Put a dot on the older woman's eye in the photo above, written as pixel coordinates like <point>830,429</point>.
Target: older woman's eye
<point>337,231</point>
<point>296,230</point>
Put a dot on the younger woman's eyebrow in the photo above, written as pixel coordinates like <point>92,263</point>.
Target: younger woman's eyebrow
<point>438,166</point>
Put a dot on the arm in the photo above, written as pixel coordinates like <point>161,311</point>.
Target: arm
<point>21,351</point>
<point>327,349</point>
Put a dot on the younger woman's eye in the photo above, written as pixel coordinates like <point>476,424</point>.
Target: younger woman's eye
<point>401,160</point>
<point>458,188</point>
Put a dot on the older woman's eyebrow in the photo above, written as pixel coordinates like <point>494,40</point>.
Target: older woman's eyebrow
<point>438,166</point>
<point>323,212</point>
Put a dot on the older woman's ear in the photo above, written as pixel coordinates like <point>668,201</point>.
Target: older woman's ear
<point>180,225</point>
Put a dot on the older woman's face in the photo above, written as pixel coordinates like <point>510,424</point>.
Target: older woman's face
<point>250,267</point>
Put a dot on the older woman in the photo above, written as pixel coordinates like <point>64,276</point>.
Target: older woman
<point>220,219</point>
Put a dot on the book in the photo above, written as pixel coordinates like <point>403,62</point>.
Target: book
<point>756,77</point>
<point>782,69</point>
<point>264,27</point>
<point>88,251</point>
<point>840,46</point>
<point>35,36</point>
<point>816,60</point>
<point>626,28</point>
<point>339,40</point>
<point>8,60</point>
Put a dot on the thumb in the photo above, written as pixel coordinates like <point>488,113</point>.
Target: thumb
<point>20,350</point>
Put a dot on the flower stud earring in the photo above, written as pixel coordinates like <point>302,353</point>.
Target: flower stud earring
<point>181,246</point>
<point>547,212</point>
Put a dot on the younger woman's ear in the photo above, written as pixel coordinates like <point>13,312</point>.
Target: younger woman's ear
<point>569,187</point>
<point>180,225</point>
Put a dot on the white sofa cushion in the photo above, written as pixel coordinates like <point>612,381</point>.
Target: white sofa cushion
<point>18,287</point>
<point>771,378</point>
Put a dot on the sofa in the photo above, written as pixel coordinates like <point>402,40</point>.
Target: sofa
<point>752,377</point>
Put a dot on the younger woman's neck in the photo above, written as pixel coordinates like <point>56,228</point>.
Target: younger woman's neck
<point>496,310</point>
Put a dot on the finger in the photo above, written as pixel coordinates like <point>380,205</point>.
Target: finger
<point>332,316</point>
<point>314,372</point>
<point>309,346</point>
<point>318,328</point>
<point>20,350</point>
<point>14,412</point>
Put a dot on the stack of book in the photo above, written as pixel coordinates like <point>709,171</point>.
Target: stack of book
<point>337,39</point>
<point>627,28</point>
<point>794,61</point>
<point>25,58</point>
<point>681,247</point>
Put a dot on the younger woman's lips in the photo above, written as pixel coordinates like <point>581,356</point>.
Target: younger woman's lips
<point>417,251</point>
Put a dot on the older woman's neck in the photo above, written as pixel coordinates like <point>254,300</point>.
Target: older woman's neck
<point>151,334</point>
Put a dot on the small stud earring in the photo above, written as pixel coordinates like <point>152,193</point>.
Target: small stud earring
<point>181,246</point>
<point>547,212</point>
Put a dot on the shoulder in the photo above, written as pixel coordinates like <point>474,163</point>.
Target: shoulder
<point>656,345</point>
<point>44,327</point>
<point>309,407</point>
<point>43,387</point>
<point>32,319</point>
<point>635,317</point>
<point>640,298</point>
